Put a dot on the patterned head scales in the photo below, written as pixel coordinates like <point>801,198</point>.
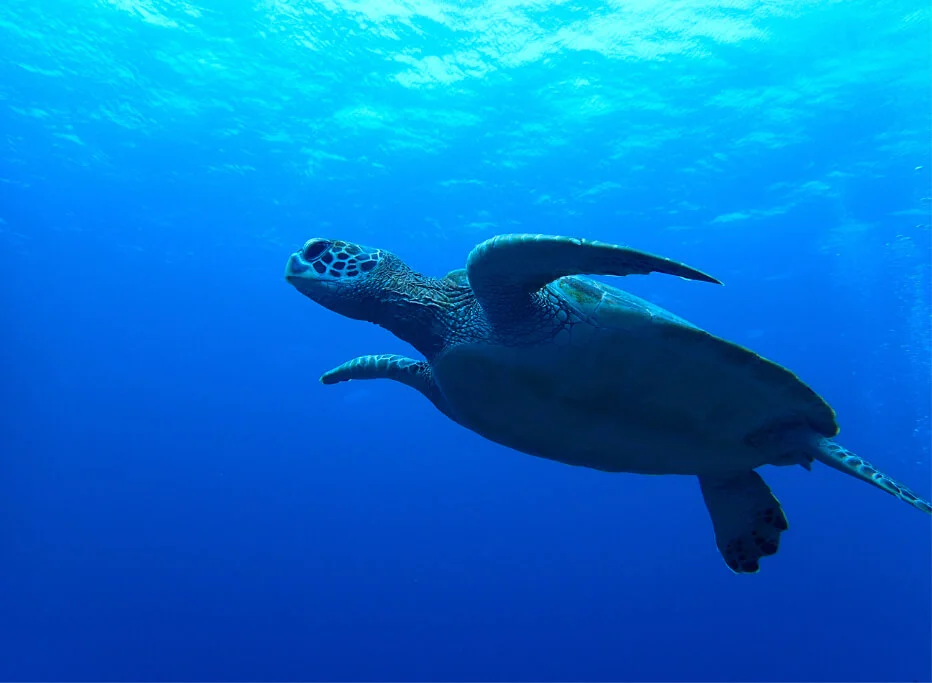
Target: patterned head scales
<point>335,260</point>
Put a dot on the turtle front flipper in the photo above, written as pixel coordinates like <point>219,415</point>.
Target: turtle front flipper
<point>840,458</point>
<point>746,516</point>
<point>414,373</point>
<point>505,270</point>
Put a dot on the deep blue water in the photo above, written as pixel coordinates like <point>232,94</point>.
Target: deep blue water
<point>182,500</point>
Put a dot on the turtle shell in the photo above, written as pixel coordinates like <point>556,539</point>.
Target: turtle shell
<point>768,390</point>
<point>624,385</point>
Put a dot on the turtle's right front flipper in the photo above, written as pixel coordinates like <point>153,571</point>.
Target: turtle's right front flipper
<point>417,374</point>
<point>504,270</point>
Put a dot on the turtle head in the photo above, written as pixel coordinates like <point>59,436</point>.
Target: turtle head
<point>338,275</point>
<point>370,284</point>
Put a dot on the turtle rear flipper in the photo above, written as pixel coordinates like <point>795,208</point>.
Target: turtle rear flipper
<point>746,516</point>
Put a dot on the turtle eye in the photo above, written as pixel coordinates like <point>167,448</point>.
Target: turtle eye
<point>314,249</point>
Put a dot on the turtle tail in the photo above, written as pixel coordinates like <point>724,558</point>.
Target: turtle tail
<point>837,456</point>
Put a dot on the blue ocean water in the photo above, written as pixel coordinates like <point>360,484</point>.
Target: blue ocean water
<point>183,500</point>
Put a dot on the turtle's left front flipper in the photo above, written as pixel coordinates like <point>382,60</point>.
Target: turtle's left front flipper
<point>840,458</point>
<point>417,374</point>
<point>505,270</point>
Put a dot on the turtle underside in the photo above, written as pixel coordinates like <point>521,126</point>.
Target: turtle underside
<point>626,386</point>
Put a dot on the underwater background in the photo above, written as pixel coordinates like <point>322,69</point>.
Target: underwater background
<point>183,500</point>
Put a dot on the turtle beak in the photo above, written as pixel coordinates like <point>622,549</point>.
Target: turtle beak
<point>301,275</point>
<point>296,267</point>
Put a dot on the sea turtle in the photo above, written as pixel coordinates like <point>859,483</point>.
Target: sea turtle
<point>522,349</point>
